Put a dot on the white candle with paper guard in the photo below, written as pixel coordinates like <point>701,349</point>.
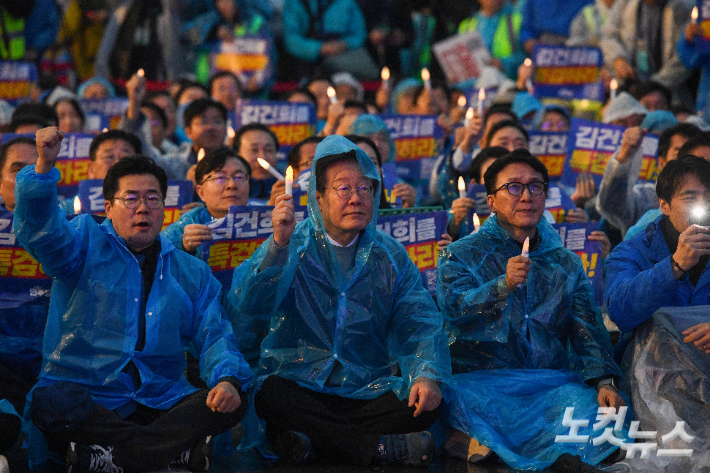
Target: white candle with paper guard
<point>613,85</point>
<point>77,205</point>
<point>265,164</point>
<point>426,77</point>
<point>289,181</point>
<point>462,187</point>
<point>331,94</point>
<point>385,77</point>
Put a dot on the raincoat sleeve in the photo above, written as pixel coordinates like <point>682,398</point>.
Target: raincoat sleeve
<point>175,231</point>
<point>473,309</point>
<point>634,289</point>
<point>41,228</point>
<point>421,342</point>
<point>214,339</point>
<point>588,337</point>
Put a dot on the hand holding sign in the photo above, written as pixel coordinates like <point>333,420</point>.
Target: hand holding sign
<point>49,143</point>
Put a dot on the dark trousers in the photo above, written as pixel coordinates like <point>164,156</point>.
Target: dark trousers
<point>148,439</point>
<point>339,428</point>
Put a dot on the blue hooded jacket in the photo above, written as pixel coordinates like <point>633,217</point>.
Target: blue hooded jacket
<point>368,327</point>
<point>92,326</point>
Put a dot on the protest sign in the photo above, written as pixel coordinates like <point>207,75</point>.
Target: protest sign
<point>248,57</point>
<point>462,56</point>
<point>291,122</point>
<point>590,146</point>
<point>389,170</point>
<point>574,238</point>
<point>103,113</point>
<point>567,72</point>
<point>15,80</point>
<point>702,42</point>
<point>550,147</point>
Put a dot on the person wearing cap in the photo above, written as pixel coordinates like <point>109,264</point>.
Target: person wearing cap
<point>351,367</point>
<point>527,339</point>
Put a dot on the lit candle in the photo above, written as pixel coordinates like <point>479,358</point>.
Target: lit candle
<point>289,180</point>
<point>469,116</point>
<point>104,130</point>
<point>265,164</point>
<point>526,247</point>
<point>462,101</point>
<point>385,77</point>
<point>613,86</point>
<point>141,73</point>
<point>426,77</point>
<point>331,94</point>
<point>462,187</point>
<point>528,82</point>
<point>694,15</point>
<point>481,99</point>
<point>200,154</point>
<point>476,223</point>
<point>77,205</point>
<point>230,133</point>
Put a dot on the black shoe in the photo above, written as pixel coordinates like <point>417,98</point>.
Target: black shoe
<point>415,449</point>
<point>197,458</point>
<point>567,463</point>
<point>93,459</point>
<point>293,447</point>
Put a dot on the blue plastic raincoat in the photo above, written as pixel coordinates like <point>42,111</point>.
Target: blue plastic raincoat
<point>92,326</point>
<point>376,322</point>
<point>520,360</point>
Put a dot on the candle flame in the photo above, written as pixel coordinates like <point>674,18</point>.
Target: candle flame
<point>141,73</point>
<point>476,222</point>
<point>263,163</point>
<point>104,130</point>
<point>527,62</point>
<point>385,73</point>
<point>425,74</point>
<point>614,84</point>
<point>331,92</point>
<point>694,13</point>
<point>77,205</point>
<point>469,113</point>
<point>526,247</point>
<point>481,94</point>
<point>462,101</point>
<point>462,184</point>
<point>231,133</point>
<point>200,154</point>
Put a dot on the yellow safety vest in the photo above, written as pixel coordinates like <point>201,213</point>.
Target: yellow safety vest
<point>13,32</point>
<point>503,44</point>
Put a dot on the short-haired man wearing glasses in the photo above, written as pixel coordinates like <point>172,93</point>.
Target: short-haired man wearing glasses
<point>351,366</point>
<point>125,305</point>
<point>530,340</point>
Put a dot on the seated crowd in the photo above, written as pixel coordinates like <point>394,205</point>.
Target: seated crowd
<point>325,343</point>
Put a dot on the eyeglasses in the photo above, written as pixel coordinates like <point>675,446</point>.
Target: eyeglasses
<point>132,201</point>
<point>345,191</point>
<point>517,188</point>
<point>221,179</point>
<point>202,122</point>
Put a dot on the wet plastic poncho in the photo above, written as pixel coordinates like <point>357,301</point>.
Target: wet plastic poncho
<point>520,360</point>
<point>366,124</point>
<point>92,326</point>
<point>176,230</point>
<point>667,380</point>
<point>372,324</point>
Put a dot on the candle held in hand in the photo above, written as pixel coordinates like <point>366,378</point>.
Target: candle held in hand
<point>289,181</point>
<point>462,187</point>
<point>265,164</point>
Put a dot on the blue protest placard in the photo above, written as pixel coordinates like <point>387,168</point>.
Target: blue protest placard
<point>590,146</point>
<point>248,57</point>
<point>568,73</point>
<point>291,122</point>
<point>22,281</point>
<point>558,203</point>
<point>179,194</point>
<point>16,77</point>
<point>419,233</point>
<point>103,113</point>
<point>550,147</point>
<point>574,238</point>
<point>389,170</point>
<point>415,136</point>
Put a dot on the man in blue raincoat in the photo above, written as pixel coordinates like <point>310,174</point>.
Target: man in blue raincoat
<point>529,340</point>
<point>125,304</point>
<point>356,349</point>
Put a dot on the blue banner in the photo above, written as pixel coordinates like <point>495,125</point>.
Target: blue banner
<point>16,77</point>
<point>389,170</point>
<point>702,41</point>
<point>291,122</point>
<point>590,146</point>
<point>574,238</point>
<point>103,113</point>
<point>248,57</point>
<point>567,73</point>
<point>550,147</point>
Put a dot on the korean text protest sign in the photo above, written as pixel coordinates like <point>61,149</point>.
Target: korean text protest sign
<point>567,72</point>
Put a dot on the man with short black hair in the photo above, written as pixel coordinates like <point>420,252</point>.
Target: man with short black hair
<point>356,350</point>
<point>125,306</point>
<point>254,141</point>
<point>14,155</point>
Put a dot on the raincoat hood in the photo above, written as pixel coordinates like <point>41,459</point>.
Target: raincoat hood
<point>369,124</point>
<point>334,145</point>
